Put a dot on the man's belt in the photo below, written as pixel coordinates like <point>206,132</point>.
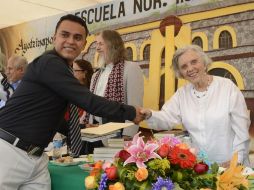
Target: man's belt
<point>15,141</point>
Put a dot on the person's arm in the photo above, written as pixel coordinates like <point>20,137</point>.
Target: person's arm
<point>240,124</point>
<point>134,89</point>
<point>165,119</point>
<point>55,75</point>
<point>5,88</point>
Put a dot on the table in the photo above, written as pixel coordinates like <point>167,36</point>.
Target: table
<point>72,177</point>
<point>67,177</point>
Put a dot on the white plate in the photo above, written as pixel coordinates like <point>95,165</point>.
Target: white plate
<point>82,159</point>
<point>86,166</point>
<point>246,171</point>
<point>65,164</point>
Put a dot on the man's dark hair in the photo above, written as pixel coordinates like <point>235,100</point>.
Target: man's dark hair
<point>72,18</point>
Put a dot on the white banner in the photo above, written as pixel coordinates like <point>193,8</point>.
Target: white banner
<point>33,38</point>
<point>120,11</point>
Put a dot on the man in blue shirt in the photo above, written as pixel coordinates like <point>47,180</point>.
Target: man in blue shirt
<point>15,70</point>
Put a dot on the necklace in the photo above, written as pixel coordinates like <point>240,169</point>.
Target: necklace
<point>199,94</point>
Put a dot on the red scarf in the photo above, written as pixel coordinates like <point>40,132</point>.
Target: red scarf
<point>115,86</point>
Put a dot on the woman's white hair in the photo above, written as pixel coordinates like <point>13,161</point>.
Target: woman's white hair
<point>206,60</point>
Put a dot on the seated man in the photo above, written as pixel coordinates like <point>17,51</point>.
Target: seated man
<point>16,67</point>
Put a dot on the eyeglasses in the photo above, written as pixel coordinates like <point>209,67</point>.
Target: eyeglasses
<point>78,70</point>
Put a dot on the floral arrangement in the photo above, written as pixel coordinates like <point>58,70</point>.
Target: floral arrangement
<point>166,164</point>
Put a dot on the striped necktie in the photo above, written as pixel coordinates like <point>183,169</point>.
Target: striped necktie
<point>6,86</point>
<point>74,135</point>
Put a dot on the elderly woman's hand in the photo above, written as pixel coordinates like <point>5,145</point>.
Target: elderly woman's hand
<point>139,117</point>
<point>147,113</point>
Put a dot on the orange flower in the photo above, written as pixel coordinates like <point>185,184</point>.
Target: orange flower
<point>90,182</point>
<point>232,177</point>
<point>183,146</point>
<point>116,186</point>
<point>97,168</point>
<point>183,157</point>
<point>141,174</point>
<point>98,164</point>
<point>95,172</point>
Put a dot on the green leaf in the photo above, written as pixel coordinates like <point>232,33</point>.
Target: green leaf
<point>177,187</point>
<point>214,168</point>
<point>145,186</point>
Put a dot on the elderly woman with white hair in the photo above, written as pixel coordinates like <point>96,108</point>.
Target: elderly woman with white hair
<point>211,108</point>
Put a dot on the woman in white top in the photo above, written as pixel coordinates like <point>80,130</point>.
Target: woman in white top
<point>211,108</point>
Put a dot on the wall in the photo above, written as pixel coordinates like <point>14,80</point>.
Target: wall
<point>235,15</point>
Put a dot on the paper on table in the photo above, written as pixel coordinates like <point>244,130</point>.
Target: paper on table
<point>106,128</point>
<point>92,137</point>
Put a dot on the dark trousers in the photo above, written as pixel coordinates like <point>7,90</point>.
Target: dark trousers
<point>88,147</point>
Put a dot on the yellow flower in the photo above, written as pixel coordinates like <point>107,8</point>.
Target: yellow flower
<point>232,177</point>
<point>183,146</point>
<point>90,182</point>
<point>141,174</point>
<point>116,186</point>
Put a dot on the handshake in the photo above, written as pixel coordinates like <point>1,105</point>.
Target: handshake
<point>142,114</point>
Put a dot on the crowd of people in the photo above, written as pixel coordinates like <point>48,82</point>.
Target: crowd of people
<point>45,89</point>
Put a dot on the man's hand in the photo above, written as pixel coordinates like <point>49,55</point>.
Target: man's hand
<point>139,116</point>
<point>146,113</point>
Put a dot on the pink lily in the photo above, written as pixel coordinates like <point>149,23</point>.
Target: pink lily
<point>171,141</point>
<point>141,152</point>
<point>134,141</point>
<point>165,140</point>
